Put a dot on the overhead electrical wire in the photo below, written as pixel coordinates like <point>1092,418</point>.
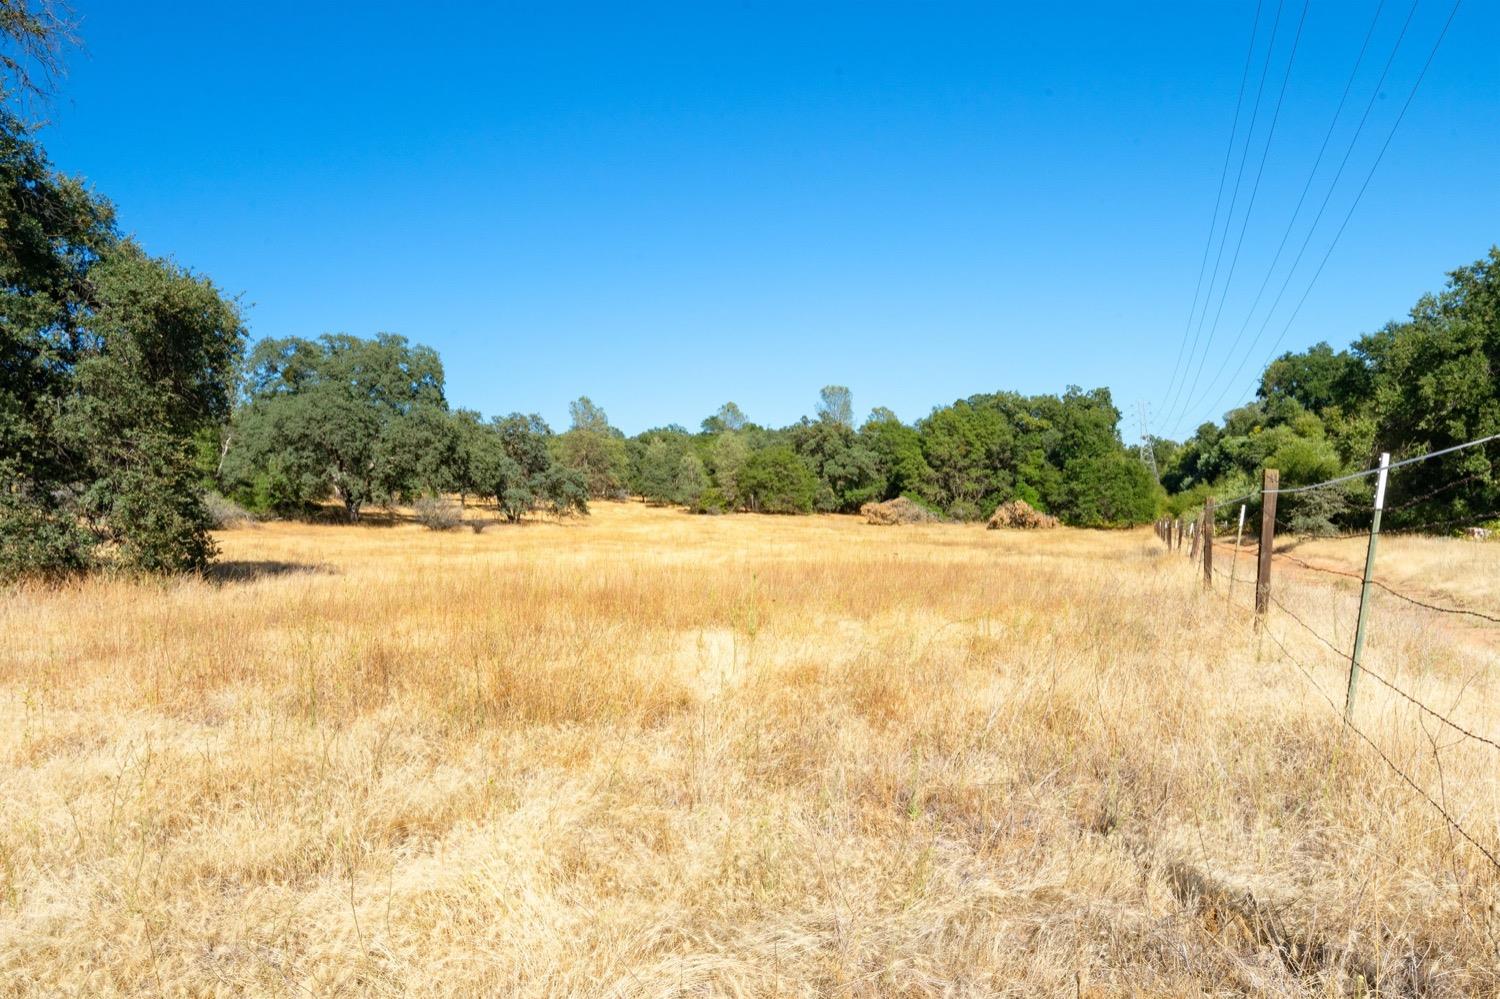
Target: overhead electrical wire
<point>1359,196</point>
<point>1234,194</point>
<point>1307,187</point>
<point>1249,209</point>
<point>1213,224</point>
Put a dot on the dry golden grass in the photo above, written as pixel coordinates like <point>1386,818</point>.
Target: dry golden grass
<point>648,754</point>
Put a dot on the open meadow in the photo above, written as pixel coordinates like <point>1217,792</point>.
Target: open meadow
<point>650,754</point>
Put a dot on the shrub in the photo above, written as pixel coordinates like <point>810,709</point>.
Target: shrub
<point>38,542</point>
<point>777,481</point>
<point>711,500</point>
<point>224,513</point>
<point>437,513</point>
<point>566,490</point>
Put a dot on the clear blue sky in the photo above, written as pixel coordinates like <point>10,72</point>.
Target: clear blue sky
<point>668,206</point>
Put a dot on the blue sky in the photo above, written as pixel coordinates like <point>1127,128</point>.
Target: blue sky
<point>669,206</point>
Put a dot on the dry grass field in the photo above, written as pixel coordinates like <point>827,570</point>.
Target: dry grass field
<point>650,754</point>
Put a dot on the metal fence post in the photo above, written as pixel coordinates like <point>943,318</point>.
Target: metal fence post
<point>1364,589</point>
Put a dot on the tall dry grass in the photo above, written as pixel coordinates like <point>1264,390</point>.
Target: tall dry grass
<point>649,754</point>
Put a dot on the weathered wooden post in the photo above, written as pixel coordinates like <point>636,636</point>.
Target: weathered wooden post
<point>1364,589</point>
<point>1208,543</point>
<point>1270,481</point>
<point>1196,534</point>
<point>1179,533</point>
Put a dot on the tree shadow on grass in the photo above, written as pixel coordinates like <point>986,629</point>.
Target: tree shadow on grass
<point>248,571</point>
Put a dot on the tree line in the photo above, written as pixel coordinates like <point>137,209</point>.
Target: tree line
<point>365,421</point>
<point>1420,384</point>
<point>128,397</point>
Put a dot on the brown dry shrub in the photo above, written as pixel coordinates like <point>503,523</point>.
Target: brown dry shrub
<point>1021,515</point>
<point>898,511</point>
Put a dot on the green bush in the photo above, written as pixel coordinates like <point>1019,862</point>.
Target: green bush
<point>777,481</point>
<point>38,542</point>
<point>711,500</point>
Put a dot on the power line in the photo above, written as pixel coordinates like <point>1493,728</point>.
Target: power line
<point>1318,217</point>
<point>1345,223</point>
<point>1311,176</point>
<point>1249,207</point>
<point>1213,224</point>
<point>1234,196</point>
<point>1148,448</point>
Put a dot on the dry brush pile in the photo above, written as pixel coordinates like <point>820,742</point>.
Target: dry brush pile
<point>655,755</point>
<point>900,510</point>
<point>1020,515</point>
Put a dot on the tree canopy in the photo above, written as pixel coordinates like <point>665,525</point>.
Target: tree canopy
<point>1417,385</point>
<point>110,361</point>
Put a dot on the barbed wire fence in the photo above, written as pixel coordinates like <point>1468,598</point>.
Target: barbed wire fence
<point>1222,522</point>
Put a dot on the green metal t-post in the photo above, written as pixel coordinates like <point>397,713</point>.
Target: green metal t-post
<point>1364,589</point>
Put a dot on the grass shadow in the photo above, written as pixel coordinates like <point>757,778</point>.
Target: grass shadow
<point>248,571</point>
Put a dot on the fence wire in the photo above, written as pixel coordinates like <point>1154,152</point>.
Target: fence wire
<point>1406,778</point>
<point>1229,502</point>
<point>1388,588</point>
<point>1364,668</point>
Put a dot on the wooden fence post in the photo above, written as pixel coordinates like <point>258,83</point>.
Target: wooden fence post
<point>1208,543</point>
<point>1179,534</point>
<point>1270,480</point>
<point>1364,589</point>
<point>1197,536</point>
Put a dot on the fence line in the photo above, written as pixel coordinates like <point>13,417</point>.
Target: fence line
<point>1388,588</point>
<point>1349,724</point>
<point>1434,607</point>
<point>1390,467</point>
<point>1447,817</point>
<point>1265,599</point>
<point>1364,668</point>
<point>1422,528</point>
